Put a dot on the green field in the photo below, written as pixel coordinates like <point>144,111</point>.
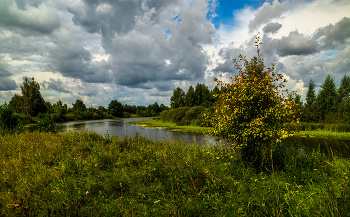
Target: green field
<point>85,174</point>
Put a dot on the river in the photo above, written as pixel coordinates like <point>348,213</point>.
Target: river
<point>123,127</point>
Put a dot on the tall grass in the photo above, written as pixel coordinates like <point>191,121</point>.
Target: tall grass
<point>85,174</point>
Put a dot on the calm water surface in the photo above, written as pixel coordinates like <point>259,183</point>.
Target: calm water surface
<point>123,127</point>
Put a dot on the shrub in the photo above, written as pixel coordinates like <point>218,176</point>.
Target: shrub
<point>252,112</point>
<point>193,116</point>
<point>47,123</point>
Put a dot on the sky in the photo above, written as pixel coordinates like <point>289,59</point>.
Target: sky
<point>138,51</point>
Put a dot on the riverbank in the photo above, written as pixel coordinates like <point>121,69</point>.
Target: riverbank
<point>155,123</point>
<point>85,174</point>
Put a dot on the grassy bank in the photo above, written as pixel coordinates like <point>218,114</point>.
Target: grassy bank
<point>154,123</point>
<point>84,174</point>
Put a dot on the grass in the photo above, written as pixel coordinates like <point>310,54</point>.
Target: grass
<point>85,174</point>
<point>154,123</point>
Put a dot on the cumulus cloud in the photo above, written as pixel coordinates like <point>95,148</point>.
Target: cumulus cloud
<point>334,34</point>
<point>272,28</point>
<point>268,12</point>
<point>29,20</point>
<point>150,46</point>
<point>71,59</point>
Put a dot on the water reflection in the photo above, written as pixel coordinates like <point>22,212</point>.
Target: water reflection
<point>123,127</point>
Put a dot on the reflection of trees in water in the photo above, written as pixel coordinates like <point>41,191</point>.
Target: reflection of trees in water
<point>115,123</point>
<point>338,147</point>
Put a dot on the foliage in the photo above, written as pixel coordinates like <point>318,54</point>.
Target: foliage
<point>47,123</point>
<point>115,108</point>
<point>178,98</point>
<point>202,95</point>
<point>251,112</point>
<point>190,97</point>
<point>79,105</point>
<point>31,102</point>
<point>8,120</point>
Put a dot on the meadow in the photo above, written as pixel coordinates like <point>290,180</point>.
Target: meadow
<point>85,174</point>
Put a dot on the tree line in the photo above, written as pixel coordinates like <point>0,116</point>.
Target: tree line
<point>30,106</point>
<point>330,105</point>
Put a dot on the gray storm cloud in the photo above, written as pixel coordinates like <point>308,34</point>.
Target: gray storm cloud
<point>296,44</point>
<point>334,35</point>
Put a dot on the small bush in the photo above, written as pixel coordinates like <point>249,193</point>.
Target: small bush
<point>47,123</point>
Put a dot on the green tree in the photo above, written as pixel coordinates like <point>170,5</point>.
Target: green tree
<point>310,106</point>
<point>202,94</point>
<point>16,103</point>
<point>115,108</point>
<point>59,110</point>
<point>344,89</point>
<point>190,97</point>
<point>252,112</point>
<point>327,98</point>
<point>178,98</point>
<point>32,100</point>
<point>79,105</point>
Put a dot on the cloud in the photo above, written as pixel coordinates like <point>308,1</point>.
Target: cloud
<point>296,44</point>
<point>56,85</point>
<point>333,35</point>
<point>272,28</point>
<point>150,46</point>
<point>29,20</point>
<point>70,58</point>
<point>267,12</point>
<point>6,83</point>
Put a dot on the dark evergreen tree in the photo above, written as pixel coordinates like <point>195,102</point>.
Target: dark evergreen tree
<point>344,89</point>
<point>115,108</point>
<point>310,106</point>
<point>327,98</point>
<point>202,94</point>
<point>178,98</point>
<point>190,97</point>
